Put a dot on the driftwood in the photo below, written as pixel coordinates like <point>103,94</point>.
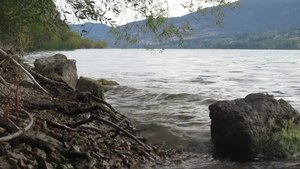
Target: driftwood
<point>19,132</point>
<point>91,109</point>
<point>45,79</point>
<point>10,127</point>
<point>66,128</point>
<point>96,99</point>
<point>2,80</point>
<point>5,55</point>
<point>92,128</point>
<point>111,124</point>
<point>35,142</point>
<point>122,130</point>
<point>41,77</point>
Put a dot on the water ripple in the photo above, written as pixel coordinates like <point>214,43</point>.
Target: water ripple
<point>167,93</point>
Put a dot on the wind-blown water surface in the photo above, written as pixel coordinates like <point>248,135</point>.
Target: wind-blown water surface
<point>168,92</point>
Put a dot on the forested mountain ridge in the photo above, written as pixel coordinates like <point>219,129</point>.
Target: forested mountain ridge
<point>249,18</point>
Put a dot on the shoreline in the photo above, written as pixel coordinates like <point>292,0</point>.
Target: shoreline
<point>70,129</point>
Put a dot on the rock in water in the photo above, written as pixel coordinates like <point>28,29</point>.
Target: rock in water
<point>244,128</point>
<point>105,82</point>
<point>58,68</point>
<point>86,84</point>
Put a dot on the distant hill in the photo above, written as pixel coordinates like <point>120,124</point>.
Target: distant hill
<point>250,18</point>
<point>93,31</point>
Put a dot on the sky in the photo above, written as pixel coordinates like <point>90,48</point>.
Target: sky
<point>175,9</point>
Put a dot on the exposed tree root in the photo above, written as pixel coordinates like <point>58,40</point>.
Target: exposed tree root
<point>20,131</point>
<point>2,80</point>
<point>94,109</point>
<point>66,129</point>
<point>5,55</point>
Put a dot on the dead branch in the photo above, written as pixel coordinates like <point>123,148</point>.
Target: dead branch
<point>2,80</point>
<point>20,131</point>
<point>107,104</point>
<point>122,121</point>
<point>47,105</point>
<point>8,126</point>
<point>65,127</point>
<point>92,128</point>
<point>122,130</point>
<point>71,135</point>
<point>60,126</point>
<point>91,109</point>
<point>36,142</point>
<point>76,124</point>
<point>80,126</point>
<point>4,54</point>
<point>41,77</point>
<point>6,111</point>
<point>74,154</point>
<point>92,163</point>
<point>17,100</point>
<point>126,133</point>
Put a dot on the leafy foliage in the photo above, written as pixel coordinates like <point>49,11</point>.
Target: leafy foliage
<point>28,24</point>
<point>67,41</point>
<point>155,13</point>
<point>36,25</point>
<point>24,21</point>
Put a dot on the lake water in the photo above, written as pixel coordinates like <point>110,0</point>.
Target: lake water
<point>167,93</point>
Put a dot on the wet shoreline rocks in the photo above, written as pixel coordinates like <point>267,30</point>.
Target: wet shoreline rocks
<point>86,84</point>
<point>58,68</point>
<point>67,128</point>
<point>257,125</point>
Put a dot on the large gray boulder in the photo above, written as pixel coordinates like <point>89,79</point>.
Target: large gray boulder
<point>58,68</point>
<point>255,125</point>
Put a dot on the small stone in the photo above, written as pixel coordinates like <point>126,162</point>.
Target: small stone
<point>28,149</point>
<point>43,164</point>
<point>41,153</point>
<point>45,126</point>
<point>5,164</point>
<point>76,148</point>
<point>2,130</point>
<point>7,146</point>
<point>67,166</point>
<point>13,163</point>
<point>29,166</point>
<point>22,163</point>
<point>16,156</point>
<point>81,164</point>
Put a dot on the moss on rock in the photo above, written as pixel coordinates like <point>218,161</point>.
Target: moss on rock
<point>256,125</point>
<point>105,82</point>
<point>86,84</point>
<point>288,139</point>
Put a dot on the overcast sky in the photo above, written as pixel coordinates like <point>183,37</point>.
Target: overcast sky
<point>175,9</point>
<point>174,6</point>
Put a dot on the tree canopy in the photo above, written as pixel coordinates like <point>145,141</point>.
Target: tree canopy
<point>25,20</point>
<point>29,23</point>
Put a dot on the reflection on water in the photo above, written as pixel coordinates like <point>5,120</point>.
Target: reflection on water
<point>167,93</point>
